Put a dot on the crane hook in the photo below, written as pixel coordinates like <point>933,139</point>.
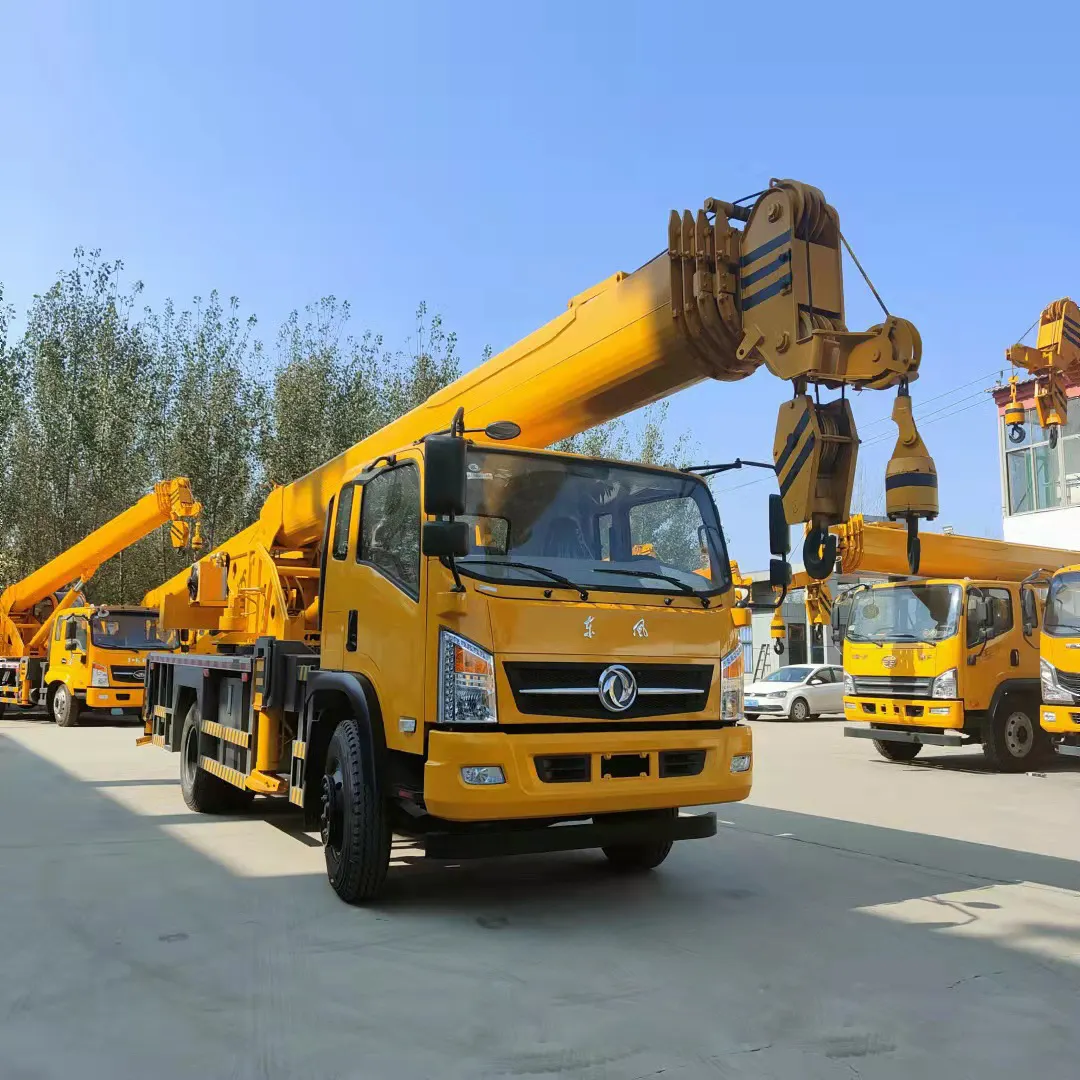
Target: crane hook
<point>819,553</point>
<point>778,648</point>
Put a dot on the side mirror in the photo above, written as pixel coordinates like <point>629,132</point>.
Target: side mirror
<point>779,530</point>
<point>1029,611</point>
<point>444,475</point>
<point>779,573</point>
<point>837,636</point>
<point>445,539</point>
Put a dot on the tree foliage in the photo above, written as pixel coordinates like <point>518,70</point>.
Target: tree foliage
<point>101,398</point>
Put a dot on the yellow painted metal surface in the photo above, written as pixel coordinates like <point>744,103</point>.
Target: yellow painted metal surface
<point>1054,361</point>
<point>882,548</point>
<point>525,796</point>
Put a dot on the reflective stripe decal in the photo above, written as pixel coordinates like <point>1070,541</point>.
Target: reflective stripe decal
<point>764,249</point>
<point>911,479</point>
<point>767,293</point>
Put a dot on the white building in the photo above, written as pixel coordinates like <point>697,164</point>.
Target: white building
<point>1040,484</point>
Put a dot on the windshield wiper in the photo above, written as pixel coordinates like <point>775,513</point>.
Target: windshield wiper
<point>912,637</point>
<point>645,573</point>
<point>565,582</point>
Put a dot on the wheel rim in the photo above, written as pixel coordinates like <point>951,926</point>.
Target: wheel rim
<point>332,821</point>
<point>799,710</point>
<point>190,756</point>
<point>1019,734</point>
<point>60,703</point>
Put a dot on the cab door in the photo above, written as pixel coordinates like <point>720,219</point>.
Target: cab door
<point>995,658</point>
<point>340,541</point>
<point>372,593</point>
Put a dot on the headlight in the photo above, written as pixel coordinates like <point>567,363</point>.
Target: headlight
<point>1052,693</point>
<point>849,685</point>
<point>99,675</point>
<point>776,693</point>
<point>731,686</point>
<point>945,685</point>
<point>466,682</point>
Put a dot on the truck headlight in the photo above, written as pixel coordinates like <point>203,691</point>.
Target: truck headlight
<point>944,685</point>
<point>466,682</point>
<point>99,675</point>
<point>849,685</point>
<point>1052,694</point>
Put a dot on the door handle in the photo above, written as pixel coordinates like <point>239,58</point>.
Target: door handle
<point>350,634</point>
<point>1014,658</point>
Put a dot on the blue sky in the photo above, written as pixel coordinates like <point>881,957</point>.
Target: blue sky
<point>495,159</point>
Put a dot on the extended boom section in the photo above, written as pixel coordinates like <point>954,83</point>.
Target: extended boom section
<point>737,287</point>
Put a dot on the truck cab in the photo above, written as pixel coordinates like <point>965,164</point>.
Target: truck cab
<point>945,662</point>
<point>96,661</point>
<point>1060,664</point>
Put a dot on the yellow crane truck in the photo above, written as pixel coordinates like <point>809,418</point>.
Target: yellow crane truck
<point>73,657</point>
<point>1054,362</point>
<point>444,635</point>
<point>951,659</point>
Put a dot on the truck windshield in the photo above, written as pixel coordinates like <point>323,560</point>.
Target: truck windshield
<point>1062,617</point>
<point>906,613</point>
<point>593,523</point>
<point>129,630</point>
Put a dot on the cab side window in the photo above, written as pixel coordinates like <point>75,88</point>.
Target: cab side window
<point>76,629</point>
<point>61,629</point>
<point>390,526</point>
<point>340,544</point>
<point>999,615</point>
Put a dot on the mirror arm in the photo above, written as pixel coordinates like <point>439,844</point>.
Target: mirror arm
<point>451,564</point>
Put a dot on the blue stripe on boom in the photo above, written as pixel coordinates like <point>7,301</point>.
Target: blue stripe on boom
<point>766,270</point>
<point>769,245</point>
<point>767,293</point>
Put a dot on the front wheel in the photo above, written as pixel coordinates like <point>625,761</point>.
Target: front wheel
<point>1012,738</point>
<point>637,858</point>
<point>355,820</point>
<point>65,706</point>
<point>897,751</point>
<point>800,711</point>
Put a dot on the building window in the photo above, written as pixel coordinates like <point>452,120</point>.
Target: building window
<point>1041,477</point>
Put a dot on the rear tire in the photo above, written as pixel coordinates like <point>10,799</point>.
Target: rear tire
<point>355,819</point>
<point>1012,738</point>
<point>204,792</point>
<point>644,856</point>
<point>65,707</point>
<point>897,751</point>
<point>799,710</point>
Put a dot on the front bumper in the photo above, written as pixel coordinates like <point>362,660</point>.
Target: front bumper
<point>1060,719</point>
<point>525,795</point>
<point>110,697</point>
<point>765,706</point>
<point>906,712</point>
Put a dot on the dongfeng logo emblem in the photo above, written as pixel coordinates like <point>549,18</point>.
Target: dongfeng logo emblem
<point>889,662</point>
<point>618,688</point>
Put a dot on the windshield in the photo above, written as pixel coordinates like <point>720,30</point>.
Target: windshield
<point>1063,606</point>
<point>129,630</point>
<point>906,613</point>
<point>593,523</point>
<point>789,674</point>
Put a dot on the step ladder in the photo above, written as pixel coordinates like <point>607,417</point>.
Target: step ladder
<point>762,665</point>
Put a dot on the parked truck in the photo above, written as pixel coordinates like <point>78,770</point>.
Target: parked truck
<point>75,658</point>
<point>951,659</point>
<point>452,633</point>
<point>1054,363</point>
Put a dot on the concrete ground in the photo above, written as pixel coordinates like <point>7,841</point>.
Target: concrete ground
<point>855,919</point>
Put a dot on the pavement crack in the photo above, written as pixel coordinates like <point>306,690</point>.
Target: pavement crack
<point>972,978</point>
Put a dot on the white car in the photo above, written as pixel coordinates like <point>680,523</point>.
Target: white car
<point>797,692</point>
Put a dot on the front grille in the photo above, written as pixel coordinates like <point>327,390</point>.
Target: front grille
<point>581,680</point>
<point>681,762</point>
<point>1069,680</point>
<point>122,674</point>
<point>892,686</point>
<point>564,768</point>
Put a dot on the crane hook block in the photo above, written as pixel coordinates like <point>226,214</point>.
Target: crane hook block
<point>911,487</point>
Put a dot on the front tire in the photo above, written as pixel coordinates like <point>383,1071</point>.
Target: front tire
<point>204,792</point>
<point>355,820</point>
<point>641,857</point>
<point>65,706</point>
<point>1012,738</point>
<point>897,751</point>
<point>799,710</point>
